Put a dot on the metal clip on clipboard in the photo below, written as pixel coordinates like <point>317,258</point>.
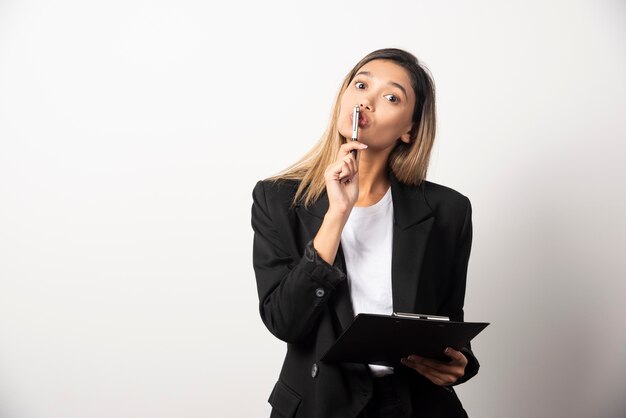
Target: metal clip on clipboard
<point>420,316</point>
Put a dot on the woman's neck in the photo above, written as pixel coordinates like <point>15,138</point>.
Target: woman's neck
<point>373,179</point>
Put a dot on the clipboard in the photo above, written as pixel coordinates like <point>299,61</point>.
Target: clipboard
<point>385,339</point>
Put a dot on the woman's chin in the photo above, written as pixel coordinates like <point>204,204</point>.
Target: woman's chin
<point>346,133</point>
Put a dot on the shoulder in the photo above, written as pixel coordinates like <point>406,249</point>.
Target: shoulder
<point>445,200</point>
<point>275,193</point>
<point>438,193</point>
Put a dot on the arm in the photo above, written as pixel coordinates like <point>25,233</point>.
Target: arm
<point>292,292</point>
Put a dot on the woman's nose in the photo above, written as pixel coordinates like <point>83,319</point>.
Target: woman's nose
<point>366,104</point>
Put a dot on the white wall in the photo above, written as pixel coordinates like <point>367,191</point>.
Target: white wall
<point>127,163</point>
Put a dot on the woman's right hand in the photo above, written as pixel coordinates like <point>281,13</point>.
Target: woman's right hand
<point>342,188</point>
<point>342,180</point>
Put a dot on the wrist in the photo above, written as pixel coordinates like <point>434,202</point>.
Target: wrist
<point>340,214</point>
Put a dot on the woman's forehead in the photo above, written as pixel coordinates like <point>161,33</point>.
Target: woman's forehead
<point>385,69</point>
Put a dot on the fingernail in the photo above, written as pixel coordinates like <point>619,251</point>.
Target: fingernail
<point>447,350</point>
<point>363,146</point>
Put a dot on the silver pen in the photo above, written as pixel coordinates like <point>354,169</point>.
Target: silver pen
<point>355,126</point>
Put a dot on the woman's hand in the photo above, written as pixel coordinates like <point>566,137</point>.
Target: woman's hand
<point>438,372</point>
<point>342,188</point>
<point>342,180</point>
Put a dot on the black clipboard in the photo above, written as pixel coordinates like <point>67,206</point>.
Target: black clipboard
<point>385,339</point>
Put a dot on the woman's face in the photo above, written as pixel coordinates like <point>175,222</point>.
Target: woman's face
<point>383,91</point>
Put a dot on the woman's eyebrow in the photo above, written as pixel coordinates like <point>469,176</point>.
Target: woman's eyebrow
<point>393,83</point>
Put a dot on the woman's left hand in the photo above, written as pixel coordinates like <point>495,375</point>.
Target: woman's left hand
<point>438,372</point>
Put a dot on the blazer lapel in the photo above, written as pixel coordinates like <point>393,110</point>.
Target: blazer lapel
<point>311,218</point>
<point>413,222</point>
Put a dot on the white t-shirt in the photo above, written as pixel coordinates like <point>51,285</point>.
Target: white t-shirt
<point>366,242</point>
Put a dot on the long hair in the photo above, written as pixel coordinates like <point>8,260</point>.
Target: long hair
<point>408,162</point>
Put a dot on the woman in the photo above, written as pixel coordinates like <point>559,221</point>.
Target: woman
<point>337,235</point>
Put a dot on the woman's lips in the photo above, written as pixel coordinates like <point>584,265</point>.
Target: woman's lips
<point>363,122</point>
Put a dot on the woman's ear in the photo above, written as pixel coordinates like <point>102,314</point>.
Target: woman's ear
<point>407,137</point>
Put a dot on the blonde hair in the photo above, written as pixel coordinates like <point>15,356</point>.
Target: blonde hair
<point>408,162</point>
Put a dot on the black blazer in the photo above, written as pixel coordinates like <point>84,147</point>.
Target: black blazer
<point>305,302</point>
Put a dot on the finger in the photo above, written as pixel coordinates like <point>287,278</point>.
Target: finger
<point>452,369</point>
<point>458,359</point>
<point>436,369</point>
<point>417,363</point>
<point>337,167</point>
<point>445,371</point>
<point>436,364</point>
<point>441,379</point>
<point>438,378</point>
<point>435,376</point>
<point>333,171</point>
<point>349,146</point>
<point>352,162</point>
<point>456,356</point>
<point>346,172</point>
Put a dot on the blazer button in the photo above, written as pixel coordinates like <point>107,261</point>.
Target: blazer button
<point>319,292</point>
<point>314,370</point>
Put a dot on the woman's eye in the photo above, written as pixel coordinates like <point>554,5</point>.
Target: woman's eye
<point>392,98</point>
<point>359,85</point>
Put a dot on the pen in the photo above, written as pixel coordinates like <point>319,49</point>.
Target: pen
<point>355,126</point>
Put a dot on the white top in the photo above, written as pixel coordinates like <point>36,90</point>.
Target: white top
<point>366,241</point>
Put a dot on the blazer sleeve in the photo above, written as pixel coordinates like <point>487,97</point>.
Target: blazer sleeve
<point>293,291</point>
<point>453,305</point>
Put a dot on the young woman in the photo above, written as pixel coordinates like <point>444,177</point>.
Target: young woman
<point>336,235</point>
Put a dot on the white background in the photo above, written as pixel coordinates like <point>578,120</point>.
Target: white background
<point>132,133</point>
